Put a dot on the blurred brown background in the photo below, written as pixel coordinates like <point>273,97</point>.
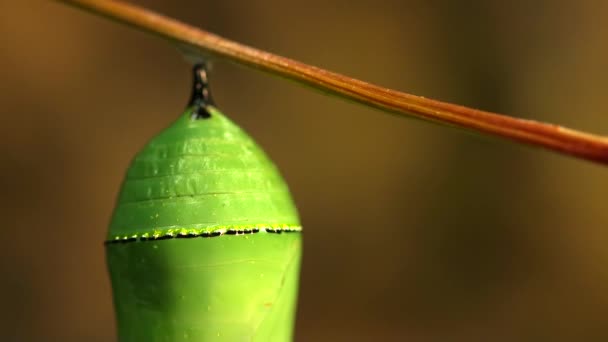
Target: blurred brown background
<point>414,231</point>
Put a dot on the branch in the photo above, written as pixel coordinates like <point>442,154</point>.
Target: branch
<point>575,143</point>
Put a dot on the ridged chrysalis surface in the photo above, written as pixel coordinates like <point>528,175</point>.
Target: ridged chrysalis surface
<point>204,243</point>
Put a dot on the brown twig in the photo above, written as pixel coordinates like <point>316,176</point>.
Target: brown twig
<point>552,137</point>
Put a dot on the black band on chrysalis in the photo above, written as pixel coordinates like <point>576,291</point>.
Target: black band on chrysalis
<point>201,95</point>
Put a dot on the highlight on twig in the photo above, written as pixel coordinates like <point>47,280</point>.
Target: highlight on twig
<point>552,137</point>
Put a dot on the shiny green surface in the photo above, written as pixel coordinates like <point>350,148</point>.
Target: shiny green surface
<point>197,177</point>
<point>201,175</point>
<point>228,288</point>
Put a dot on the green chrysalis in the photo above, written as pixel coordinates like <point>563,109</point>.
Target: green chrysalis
<point>204,243</point>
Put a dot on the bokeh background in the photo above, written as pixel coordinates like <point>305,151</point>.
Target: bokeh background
<point>414,231</point>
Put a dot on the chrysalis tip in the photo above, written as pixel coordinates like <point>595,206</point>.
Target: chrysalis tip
<point>201,94</point>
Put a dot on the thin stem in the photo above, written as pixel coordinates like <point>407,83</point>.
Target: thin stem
<point>575,143</point>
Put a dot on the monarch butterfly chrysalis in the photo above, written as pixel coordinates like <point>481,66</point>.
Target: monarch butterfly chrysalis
<point>204,243</point>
